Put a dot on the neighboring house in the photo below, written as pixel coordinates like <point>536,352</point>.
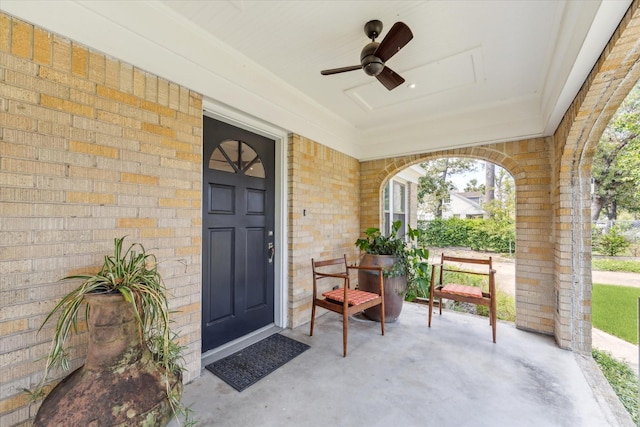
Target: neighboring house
<point>463,205</point>
<point>122,118</point>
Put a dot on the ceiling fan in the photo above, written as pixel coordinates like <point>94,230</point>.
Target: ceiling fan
<point>374,54</point>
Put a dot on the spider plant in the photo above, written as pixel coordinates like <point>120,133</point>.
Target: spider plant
<point>134,274</point>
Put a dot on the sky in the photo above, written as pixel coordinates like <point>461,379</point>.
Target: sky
<point>461,180</point>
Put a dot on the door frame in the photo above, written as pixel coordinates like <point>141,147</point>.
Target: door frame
<point>238,119</point>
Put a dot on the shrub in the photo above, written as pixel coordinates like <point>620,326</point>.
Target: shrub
<point>446,232</point>
<point>477,234</point>
<point>611,243</point>
<point>622,379</point>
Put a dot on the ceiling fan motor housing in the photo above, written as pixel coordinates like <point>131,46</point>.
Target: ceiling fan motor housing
<point>371,64</point>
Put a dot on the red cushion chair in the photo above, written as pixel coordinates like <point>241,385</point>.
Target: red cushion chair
<point>343,299</point>
<point>440,289</point>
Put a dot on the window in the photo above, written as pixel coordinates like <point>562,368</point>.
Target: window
<point>236,157</point>
<point>395,202</point>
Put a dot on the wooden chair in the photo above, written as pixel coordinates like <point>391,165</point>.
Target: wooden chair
<point>464,293</point>
<point>343,299</point>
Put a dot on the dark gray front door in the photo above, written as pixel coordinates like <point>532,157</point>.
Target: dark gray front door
<point>237,233</point>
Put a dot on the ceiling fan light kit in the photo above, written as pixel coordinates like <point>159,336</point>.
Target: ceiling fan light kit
<point>374,54</point>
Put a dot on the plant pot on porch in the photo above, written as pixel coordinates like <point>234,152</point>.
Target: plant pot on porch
<point>120,383</point>
<point>394,287</point>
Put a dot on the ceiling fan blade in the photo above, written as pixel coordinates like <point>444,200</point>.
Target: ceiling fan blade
<point>389,78</point>
<point>397,37</point>
<point>340,70</point>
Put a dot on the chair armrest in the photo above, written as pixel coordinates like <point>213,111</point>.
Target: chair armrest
<point>358,267</point>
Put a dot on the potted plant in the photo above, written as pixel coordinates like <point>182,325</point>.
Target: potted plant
<point>132,374</point>
<point>405,267</point>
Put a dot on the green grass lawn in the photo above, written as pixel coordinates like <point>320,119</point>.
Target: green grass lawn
<point>615,310</point>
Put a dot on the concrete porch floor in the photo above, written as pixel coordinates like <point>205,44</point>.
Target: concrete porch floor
<point>448,375</point>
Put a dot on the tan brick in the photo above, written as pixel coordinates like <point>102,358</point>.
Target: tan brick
<point>189,194</point>
<point>11,403</point>
<point>189,157</point>
<point>148,233</point>
<point>157,108</point>
<point>118,119</point>
<point>177,145</point>
<point>79,60</point>
<point>188,250</point>
<point>159,130</point>
<point>117,95</point>
<point>5,31</point>
<point>34,167</point>
<point>21,36</point>
<point>61,54</point>
<point>139,179</point>
<point>151,88</point>
<point>93,149</point>
<point>174,203</point>
<point>24,95</point>
<point>163,92</point>
<point>66,105</point>
<point>42,42</point>
<point>112,73</point>
<point>96,67</point>
<point>65,79</point>
<point>126,78</point>
<point>90,198</point>
<point>137,222</point>
<point>13,326</point>
<point>139,81</point>
<point>16,180</point>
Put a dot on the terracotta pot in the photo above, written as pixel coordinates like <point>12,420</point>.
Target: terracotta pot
<point>395,288</point>
<point>119,384</point>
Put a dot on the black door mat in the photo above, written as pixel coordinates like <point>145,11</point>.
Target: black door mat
<point>251,364</point>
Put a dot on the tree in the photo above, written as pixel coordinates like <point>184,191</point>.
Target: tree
<point>489,184</point>
<point>616,162</point>
<point>473,186</point>
<point>436,186</point>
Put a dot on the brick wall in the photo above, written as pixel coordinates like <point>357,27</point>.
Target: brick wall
<point>324,210</point>
<point>614,74</point>
<point>530,164</point>
<point>90,149</point>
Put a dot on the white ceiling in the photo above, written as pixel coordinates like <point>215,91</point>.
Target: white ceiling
<point>484,71</point>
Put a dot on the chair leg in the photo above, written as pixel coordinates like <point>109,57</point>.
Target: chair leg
<point>345,332</point>
<point>430,308</point>
<point>313,318</point>
<point>494,319</point>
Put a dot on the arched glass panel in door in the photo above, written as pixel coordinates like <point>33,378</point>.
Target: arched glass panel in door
<point>236,157</point>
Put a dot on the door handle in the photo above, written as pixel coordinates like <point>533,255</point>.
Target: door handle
<point>272,252</point>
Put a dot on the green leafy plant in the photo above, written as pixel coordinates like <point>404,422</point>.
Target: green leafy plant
<point>622,379</point>
<point>612,243</point>
<point>134,274</point>
<point>616,265</point>
<point>411,260</point>
<point>497,234</point>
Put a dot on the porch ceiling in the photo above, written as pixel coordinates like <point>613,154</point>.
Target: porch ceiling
<point>485,71</point>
